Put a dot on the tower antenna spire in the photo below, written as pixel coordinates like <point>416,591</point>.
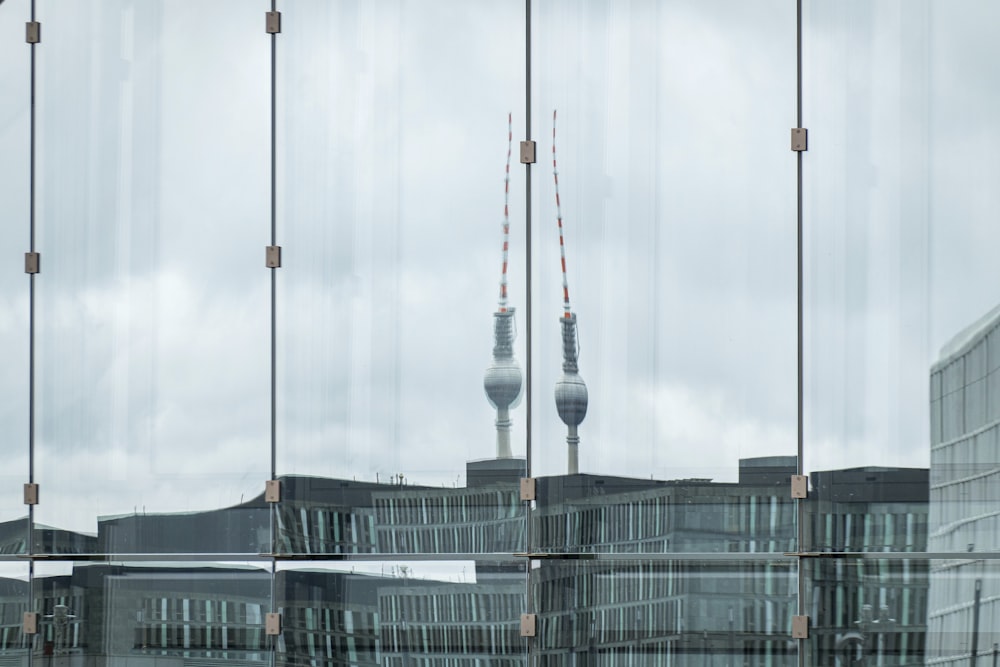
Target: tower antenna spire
<point>503,381</point>
<point>506,216</point>
<point>562,244</point>
<point>571,391</point>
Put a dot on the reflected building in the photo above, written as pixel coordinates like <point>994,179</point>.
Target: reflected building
<point>867,610</point>
<point>595,604</point>
<point>964,617</point>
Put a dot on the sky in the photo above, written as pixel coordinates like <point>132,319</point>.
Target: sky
<point>678,196</point>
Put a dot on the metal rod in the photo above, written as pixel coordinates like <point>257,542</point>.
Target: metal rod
<point>529,376</point>
<point>274,330</point>
<point>800,367</point>
<point>527,236</point>
<point>31,338</point>
<point>274,241</point>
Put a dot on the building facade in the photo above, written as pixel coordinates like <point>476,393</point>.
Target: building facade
<point>965,423</point>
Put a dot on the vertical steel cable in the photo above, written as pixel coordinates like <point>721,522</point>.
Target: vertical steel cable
<point>274,328</point>
<point>527,231</point>
<point>800,370</point>
<point>31,337</point>
<point>529,377</point>
<point>274,235</point>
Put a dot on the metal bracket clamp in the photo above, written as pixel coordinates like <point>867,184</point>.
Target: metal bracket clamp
<point>529,625</point>
<point>272,257</point>
<point>33,32</point>
<point>32,262</point>
<point>800,486</point>
<point>272,624</point>
<point>272,491</point>
<point>31,493</point>
<point>527,488</point>
<point>29,623</point>
<point>527,152</point>
<point>800,627</point>
<point>800,139</point>
<point>273,23</point>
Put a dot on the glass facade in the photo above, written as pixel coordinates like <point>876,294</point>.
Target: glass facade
<point>495,333</point>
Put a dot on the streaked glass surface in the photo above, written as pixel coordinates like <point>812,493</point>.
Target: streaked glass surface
<point>895,611</point>
<point>671,536</point>
<point>874,319</point>
<point>318,515</point>
<point>393,137</point>
<point>152,613</point>
<point>677,196</point>
<point>679,612</point>
<point>153,303</point>
<point>15,70</point>
<point>901,317</point>
<point>14,644</point>
<point>596,513</point>
<point>402,613</point>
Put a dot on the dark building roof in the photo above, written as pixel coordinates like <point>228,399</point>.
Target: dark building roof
<point>871,484</point>
<point>495,471</point>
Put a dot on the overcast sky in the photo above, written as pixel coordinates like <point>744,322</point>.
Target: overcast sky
<point>678,197</point>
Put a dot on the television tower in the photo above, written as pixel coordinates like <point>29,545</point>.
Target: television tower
<point>503,378</point>
<point>571,392</point>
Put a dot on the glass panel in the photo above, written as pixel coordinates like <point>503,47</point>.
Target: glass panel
<point>679,612</point>
<point>676,209</point>
<point>153,306</point>
<point>15,69</point>
<point>152,613</point>
<point>14,644</point>
<point>876,611</point>
<point>868,509</point>
<point>867,611</point>
<point>402,613</point>
<point>320,515</point>
<point>963,613</point>
<point>394,135</point>
<point>599,513</point>
<point>902,348</point>
<point>901,611</point>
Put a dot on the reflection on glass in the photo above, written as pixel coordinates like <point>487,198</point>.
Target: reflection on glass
<point>14,223</point>
<point>152,307</point>
<point>963,608</point>
<point>320,515</point>
<point>867,611</point>
<point>392,208</point>
<point>679,612</point>
<point>14,643</point>
<point>671,205</point>
<point>965,466</point>
<point>146,614</point>
<point>867,509</point>
<point>899,611</point>
<point>386,613</point>
<point>601,513</point>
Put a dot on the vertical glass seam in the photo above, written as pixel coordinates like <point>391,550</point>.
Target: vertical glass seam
<point>30,528</point>
<point>274,48</point>
<point>273,648</point>
<point>529,376</point>
<point>527,234</point>
<point>800,370</point>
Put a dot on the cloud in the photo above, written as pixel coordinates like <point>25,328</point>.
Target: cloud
<point>678,193</point>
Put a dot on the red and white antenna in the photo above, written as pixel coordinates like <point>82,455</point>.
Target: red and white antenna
<point>503,380</point>
<point>571,391</point>
<point>562,244</point>
<point>506,217</point>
